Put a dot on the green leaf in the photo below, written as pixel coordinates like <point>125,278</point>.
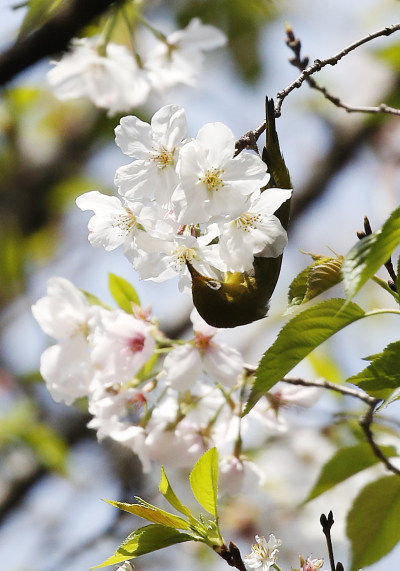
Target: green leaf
<point>145,540</point>
<point>382,373</point>
<point>373,524</point>
<point>204,481</point>
<point>152,513</point>
<point>318,277</point>
<point>123,293</point>
<point>169,494</point>
<point>369,254</point>
<point>298,338</point>
<point>39,11</point>
<point>345,463</point>
<point>398,278</point>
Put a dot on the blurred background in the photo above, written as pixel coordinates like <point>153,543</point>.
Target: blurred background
<point>343,166</point>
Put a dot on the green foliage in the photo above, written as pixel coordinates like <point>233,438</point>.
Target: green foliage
<point>204,481</point>
<point>318,277</point>
<point>383,373</point>
<point>152,513</point>
<point>164,531</point>
<point>390,55</point>
<point>373,524</point>
<point>398,278</point>
<point>145,540</point>
<point>169,494</point>
<point>369,254</point>
<point>22,426</point>
<point>39,11</point>
<point>345,463</point>
<point>298,338</point>
<point>123,293</point>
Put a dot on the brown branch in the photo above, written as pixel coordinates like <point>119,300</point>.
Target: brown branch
<point>365,421</point>
<point>54,36</point>
<point>308,70</point>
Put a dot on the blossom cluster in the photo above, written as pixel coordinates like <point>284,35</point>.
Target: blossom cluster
<point>184,200</point>
<point>116,79</point>
<point>168,409</point>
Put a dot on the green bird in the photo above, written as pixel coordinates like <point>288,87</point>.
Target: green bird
<point>242,298</point>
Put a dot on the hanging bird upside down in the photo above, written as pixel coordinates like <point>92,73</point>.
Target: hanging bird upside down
<point>243,297</point>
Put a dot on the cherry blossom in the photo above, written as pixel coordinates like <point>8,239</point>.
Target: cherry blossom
<point>256,232</point>
<point>263,553</point>
<point>212,182</point>
<point>310,564</point>
<point>179,58</point>
<point>115,223</point>
<point>65,310</point>
<point>184,365</point>
<point>239,475</point>
<point>121,345</point>
<point>155,148</point>
<point>112,81</point>
<point>64,314</point>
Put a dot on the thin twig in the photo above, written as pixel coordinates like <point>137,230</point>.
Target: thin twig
<point>301,63</point>
<point>318,64</point>
<point>365,423</point>
<point>326,524</point>
<point>366,420</point>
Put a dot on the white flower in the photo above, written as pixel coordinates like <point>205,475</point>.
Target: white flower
<point>212,182</point>
<point>310,564</point>
<point>65,310</point>
<point>126,567</point>
<point>263,554</point>
<point>239,475</point>
<point>167,258</point>
<point>179,59</point>
<point>121,345</point>
<point>114,224</point>
<point>155,148</point>
<point>286,395</point>
<point>112,81</point>
<point>256,232</point>
<point>67,369</point>
<point>126,433</point>
<point>64,314</point>
<point>184,364</point>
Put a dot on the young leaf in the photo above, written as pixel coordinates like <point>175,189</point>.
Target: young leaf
<point>204,481</point>
<point>373,524</point>
<point>169,494</point>
<point>152,513</point>
<point>382,373</point>
<point>298,338</point>
<point>345,463</point>
<point>123,293</point>
<point>369,254</point>
<point>145,540</point>
<point>323,274</point>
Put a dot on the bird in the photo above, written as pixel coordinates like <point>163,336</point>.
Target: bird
<point>243,297</point>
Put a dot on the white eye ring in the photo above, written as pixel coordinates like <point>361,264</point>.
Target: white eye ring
<point>214,284</point>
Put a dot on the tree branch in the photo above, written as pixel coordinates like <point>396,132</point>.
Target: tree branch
<point>54,36</point>
<point>333,60</point>
<point>301,63</point>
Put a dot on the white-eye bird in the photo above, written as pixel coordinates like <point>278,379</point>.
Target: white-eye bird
<point>242,298</point>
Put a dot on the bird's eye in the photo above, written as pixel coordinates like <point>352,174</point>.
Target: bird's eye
<point>213,284</point>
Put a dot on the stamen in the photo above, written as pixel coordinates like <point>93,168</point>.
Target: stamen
<point>213,179</point>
